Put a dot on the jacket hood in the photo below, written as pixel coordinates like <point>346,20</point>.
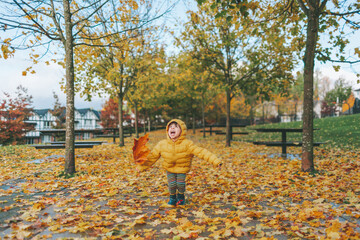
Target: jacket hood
<point>182,126</point>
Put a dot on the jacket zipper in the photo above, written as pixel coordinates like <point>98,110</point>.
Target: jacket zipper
<point>174,152</point>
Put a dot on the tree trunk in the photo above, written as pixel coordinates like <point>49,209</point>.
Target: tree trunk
<point>252,118</point>
<point>149,123</point>
<point>121,119</point>
<point>70,104</point>
<point>136,121</point>
<point>194,122</point>
<point>307,160</point>
<point>228,100</point>
<point>144,123</point>
<point>263,113</point>
<point>187,121</point>
<point>203,116</point>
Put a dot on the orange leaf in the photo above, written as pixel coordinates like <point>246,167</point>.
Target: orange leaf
<point>140,151</point>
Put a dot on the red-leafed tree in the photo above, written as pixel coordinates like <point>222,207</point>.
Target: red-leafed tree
<point>328,110</point>
<point>13,114</point>
<point>110,114</point>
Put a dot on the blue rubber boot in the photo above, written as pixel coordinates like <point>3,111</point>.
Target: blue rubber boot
<point>181,199</point>
<point>173,200</point>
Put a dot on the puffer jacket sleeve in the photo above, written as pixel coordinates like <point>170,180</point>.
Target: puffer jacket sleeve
<point>204,154</point>
<point>153,156</point>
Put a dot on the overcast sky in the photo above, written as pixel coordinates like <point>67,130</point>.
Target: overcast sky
<point>47,78</point>
<point>40,85</point>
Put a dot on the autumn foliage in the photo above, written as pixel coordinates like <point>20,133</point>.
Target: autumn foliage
<point>13,113</point>
<point>140,150</point>
<point>110,114</point>
<point>255,195</point>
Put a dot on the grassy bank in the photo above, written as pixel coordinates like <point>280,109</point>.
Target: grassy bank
<point>343,131</point>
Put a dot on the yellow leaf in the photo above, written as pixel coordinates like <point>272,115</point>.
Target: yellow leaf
<point>54,228</point>
<point>333,229</point>
<point>238,232</point>
<point>38,206</point>
<point>167,231</point>
<point>295,228</point>
<point>336,68</point>
<point>357,51</point>
<point>333,235</point>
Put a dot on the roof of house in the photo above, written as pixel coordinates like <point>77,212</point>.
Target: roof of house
<point>41,112</point>
<point>97,113</point>
<point>83,111</point>
<point>357,90</point>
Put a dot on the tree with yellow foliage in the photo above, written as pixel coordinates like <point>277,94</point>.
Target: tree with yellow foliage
<point>243,55</point>
<point>69,24</point>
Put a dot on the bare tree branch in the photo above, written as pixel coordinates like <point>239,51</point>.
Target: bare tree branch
<point>342,14</point>
<point>336,60</point>
<point>89,16</point>
<point>39,26</point>
<point>303,7</point>
<point>352,23</point>
<point>28,27</point>
<point>57,23</point>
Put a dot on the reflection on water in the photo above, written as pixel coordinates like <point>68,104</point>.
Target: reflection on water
<point>41,160</point>
<point>11,184</point>
<point>289,156</point>
<point>37,161</point>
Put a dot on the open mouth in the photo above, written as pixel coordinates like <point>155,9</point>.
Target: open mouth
<point>172,132</point>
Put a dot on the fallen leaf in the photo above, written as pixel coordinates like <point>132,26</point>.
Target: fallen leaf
<point>140,150</point>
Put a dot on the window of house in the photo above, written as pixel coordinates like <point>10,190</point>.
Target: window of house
<point>46,138</point>
<point>86,135</point>
<point>87,122</point>
<point>47,124</point>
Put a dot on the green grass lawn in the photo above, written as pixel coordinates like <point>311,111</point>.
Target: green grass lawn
<point>343,131</point>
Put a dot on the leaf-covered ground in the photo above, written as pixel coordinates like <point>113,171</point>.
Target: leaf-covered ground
<point>255,195</point>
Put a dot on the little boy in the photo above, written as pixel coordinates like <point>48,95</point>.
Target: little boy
<point>177,152</point>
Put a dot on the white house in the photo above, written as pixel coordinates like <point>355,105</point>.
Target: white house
<point>87,118</point>
<point>291,111</point>
<point>356,107</point>
<point>42,119</point>
<point>300,110</point>
<point>357,93</point>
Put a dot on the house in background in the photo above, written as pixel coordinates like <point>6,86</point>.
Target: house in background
<point>87,118</point>
<point>356,108</point>
<point>286,112</point>
<point>352,104</point>
<point>43,120</point>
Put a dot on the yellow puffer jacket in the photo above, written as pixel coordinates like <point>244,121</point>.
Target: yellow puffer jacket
<point>177,156</point>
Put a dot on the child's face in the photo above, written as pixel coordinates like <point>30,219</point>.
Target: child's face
<point>174,131</point>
